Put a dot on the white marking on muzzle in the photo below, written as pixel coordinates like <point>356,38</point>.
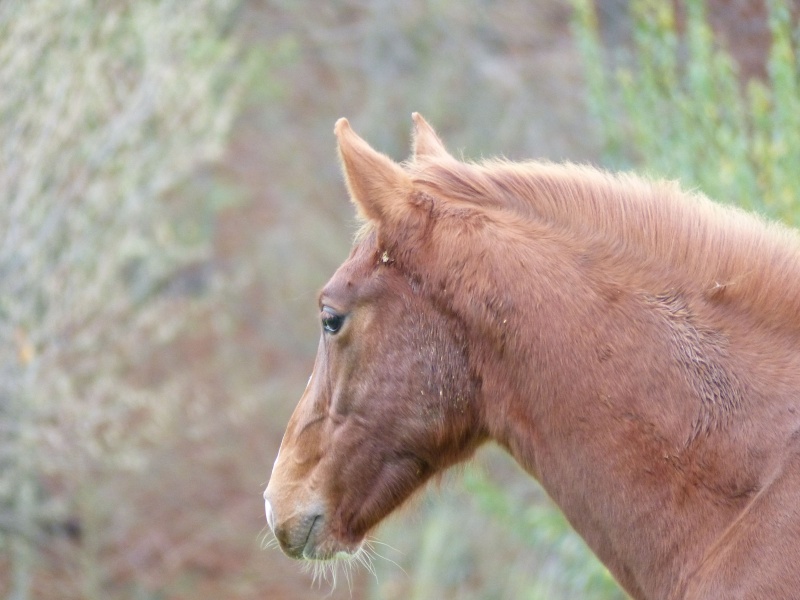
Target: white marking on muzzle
<point>270,515</point>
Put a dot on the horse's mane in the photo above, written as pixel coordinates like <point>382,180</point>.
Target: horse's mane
<point>725,250</point>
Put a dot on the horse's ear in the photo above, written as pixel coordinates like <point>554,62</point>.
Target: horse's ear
<point>378,186</point>
<point>426,142</point>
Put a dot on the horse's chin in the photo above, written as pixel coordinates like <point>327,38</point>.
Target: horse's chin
<point>329,550</point>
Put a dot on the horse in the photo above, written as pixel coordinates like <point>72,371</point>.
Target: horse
<point>635,348</point>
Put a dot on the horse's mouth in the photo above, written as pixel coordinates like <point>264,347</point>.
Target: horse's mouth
<point>309,545</point>
<point>317,543</point>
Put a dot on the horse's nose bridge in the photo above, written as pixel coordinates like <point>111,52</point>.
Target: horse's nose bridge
<point>292,494</point>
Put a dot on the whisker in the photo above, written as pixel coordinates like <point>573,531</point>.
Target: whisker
<point>328,571</point>
<point>379,555</point>
<point>377,541</point>
<point>269,543</point>
<point>364,558</point>
<point>330,575</point>
<point>348,573</point>
<point>267,539</point>
<point>317,572</point>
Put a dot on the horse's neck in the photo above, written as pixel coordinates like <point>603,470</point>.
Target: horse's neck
<point>601,398</point>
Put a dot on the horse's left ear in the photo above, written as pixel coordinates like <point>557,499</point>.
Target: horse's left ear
<point>378,186</point>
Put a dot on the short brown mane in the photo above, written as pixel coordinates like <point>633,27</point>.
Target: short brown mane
<point>752,262</point>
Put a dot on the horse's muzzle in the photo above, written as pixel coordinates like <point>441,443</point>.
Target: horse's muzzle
<point>299,534</point>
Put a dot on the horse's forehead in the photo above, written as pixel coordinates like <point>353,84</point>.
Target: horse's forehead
<point>354,271</point>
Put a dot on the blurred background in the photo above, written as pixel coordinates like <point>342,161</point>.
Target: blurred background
<point>171,203</point>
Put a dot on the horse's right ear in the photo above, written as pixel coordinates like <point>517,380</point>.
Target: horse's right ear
<point>426,143</point>
<point>379,187</point>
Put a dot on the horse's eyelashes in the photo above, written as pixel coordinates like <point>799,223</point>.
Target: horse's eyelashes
<point>331,322</point>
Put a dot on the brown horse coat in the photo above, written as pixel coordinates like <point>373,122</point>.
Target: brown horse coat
<point>636,349</point>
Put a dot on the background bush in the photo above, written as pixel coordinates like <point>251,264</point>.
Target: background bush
<point>679,107</point>
<point>104,112</point>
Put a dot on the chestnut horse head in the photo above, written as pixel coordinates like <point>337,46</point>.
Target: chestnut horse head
<point>633,346</point>
<point>391,399</point>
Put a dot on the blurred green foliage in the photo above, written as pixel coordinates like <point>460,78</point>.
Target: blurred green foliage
<point>568,568</point>
<point>680,109</point>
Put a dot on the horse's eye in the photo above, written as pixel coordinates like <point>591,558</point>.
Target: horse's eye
<point>331,322</point>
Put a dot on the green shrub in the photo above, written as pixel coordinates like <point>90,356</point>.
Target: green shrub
<point>680,109</point>
<point>565,567</point>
